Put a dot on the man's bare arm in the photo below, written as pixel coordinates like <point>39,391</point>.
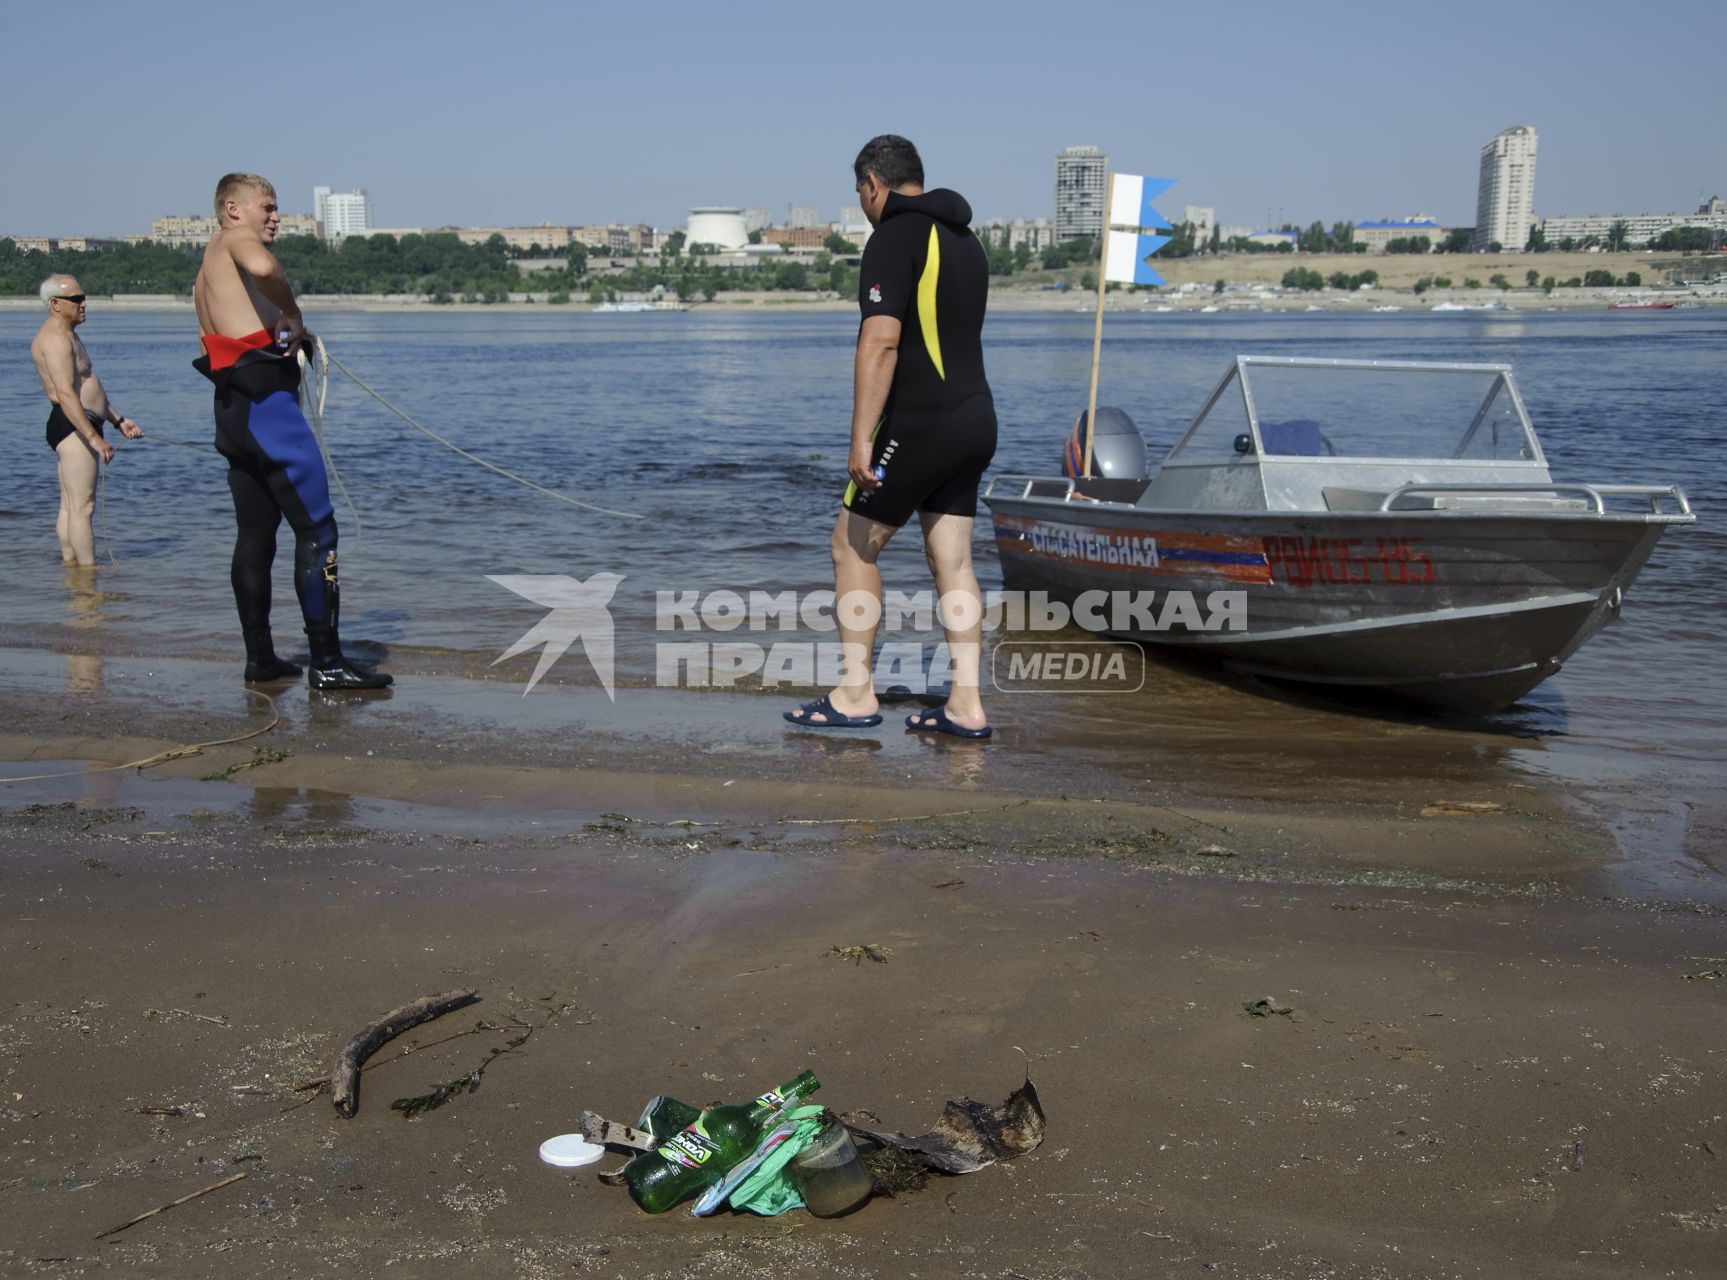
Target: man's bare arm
<point>252,256</point>
<point>872,379</point>
<point>53,357</point>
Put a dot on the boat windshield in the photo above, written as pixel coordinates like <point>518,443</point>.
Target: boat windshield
<point>1344,409</point>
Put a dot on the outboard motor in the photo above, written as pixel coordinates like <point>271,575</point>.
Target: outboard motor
<point>1117,448</point>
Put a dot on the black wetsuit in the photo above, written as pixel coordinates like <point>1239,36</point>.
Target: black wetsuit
<point>924,267</point>
<point>274,470</point>
<point>60,426</point>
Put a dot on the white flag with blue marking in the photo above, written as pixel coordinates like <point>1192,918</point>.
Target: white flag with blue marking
<point>1130,198</point>
<point>1125,258</point>
<point>1126,251</point>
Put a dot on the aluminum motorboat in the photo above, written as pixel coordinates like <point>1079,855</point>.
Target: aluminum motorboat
<point>1383,526</point>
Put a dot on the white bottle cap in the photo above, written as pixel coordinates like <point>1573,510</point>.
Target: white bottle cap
<point>570,1151</point>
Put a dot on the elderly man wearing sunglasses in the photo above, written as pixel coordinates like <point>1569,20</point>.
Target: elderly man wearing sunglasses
<point>80,407</point>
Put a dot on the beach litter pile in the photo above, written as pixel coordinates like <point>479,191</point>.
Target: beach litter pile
<point>780,1152</point>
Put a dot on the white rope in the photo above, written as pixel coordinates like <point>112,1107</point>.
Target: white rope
<point>328,359</point>
<point>314,391</point>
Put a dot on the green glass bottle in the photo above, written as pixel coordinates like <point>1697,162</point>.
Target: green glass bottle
<point>701,1154</point>
<point>664,1116</point>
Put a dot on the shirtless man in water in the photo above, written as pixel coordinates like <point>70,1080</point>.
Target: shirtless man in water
<point>75,423</point>
<point>252,330</point>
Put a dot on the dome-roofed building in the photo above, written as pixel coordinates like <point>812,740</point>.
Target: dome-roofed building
<point>718,225</point>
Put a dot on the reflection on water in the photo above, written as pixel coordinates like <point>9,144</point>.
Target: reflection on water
<point>84,613</point>
<point>300,804</point>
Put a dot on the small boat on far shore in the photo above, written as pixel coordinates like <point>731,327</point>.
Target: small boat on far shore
<point>665,304</point>
<point>1639,304</point>
<point>1469,306</point>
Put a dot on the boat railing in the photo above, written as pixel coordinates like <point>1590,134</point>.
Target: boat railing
<point>1654,492</point>
<point>1595,494</point>
<point>1058,487</point>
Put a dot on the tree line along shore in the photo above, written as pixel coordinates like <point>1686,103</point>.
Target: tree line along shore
<point>441,269</point>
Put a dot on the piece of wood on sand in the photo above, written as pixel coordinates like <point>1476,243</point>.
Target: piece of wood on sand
<point>345,1075</point>
<point>172,1204</point>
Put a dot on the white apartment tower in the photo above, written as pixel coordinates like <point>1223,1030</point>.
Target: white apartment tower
<point>1079,194</point>
<point>1203,219</point>
<point>343,213</point>
<point>1505,202</point>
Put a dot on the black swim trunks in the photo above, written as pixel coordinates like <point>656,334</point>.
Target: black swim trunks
<point>924,267</point>
<point>60,426</point>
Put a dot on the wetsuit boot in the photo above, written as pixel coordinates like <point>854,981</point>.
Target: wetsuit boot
<point>262,663</point>
<point>330,670</point>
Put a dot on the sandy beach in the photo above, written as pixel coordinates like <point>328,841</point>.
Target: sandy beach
<point>1485,1067</point>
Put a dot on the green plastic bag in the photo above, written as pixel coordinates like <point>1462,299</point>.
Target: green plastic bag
<point>768,1188</point>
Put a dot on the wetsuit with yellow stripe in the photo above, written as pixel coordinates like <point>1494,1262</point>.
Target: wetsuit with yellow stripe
<point>924,267</point>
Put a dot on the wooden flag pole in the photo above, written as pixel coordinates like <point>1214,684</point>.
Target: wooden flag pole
<point>1097,329</point>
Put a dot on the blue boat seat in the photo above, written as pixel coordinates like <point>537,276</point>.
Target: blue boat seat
<point>1296,437</point>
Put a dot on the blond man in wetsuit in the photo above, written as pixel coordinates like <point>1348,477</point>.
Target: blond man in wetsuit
<point>80,407</point>
<point>252,330</point>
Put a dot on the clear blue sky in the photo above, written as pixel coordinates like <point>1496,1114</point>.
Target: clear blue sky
<point>512,113</point>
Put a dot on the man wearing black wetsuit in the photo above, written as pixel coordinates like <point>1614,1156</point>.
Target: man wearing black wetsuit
<point>250,326</point>
<point>923,428</point>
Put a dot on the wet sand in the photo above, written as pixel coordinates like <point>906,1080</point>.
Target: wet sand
<point>1487,1067</point>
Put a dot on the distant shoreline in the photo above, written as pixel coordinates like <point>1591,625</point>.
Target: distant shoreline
<point>1002,299</point>
<point>1249,282</point>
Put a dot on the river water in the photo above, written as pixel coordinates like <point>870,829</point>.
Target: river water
<point>726,433</point>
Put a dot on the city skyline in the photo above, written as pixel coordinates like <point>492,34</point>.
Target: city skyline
<point>1362,121</point>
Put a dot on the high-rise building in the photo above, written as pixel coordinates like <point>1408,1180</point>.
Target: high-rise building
<point>804,217</point>
<point>345,213</point>
<point>1079,194</point>
<point>1505,200</point>
<point>757,219</point>
<point>320,198</point>
<point>1203,218</point>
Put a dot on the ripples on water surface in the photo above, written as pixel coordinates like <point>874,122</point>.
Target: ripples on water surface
<point>727,433</point>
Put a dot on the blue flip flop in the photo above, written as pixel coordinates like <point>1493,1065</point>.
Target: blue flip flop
<point>835,720</point>
<point>941,724</point>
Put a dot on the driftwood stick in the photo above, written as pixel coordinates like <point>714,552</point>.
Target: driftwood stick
<point>203,1017</point>
<point>345,1074</point>
<point>321,1083</point>
<point>172,1204</point>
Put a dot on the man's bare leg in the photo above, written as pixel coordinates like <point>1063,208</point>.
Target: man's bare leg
<point>947,547</point>
<point>856,544</point>
<point>77,500</point>
<point>62,523</point>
